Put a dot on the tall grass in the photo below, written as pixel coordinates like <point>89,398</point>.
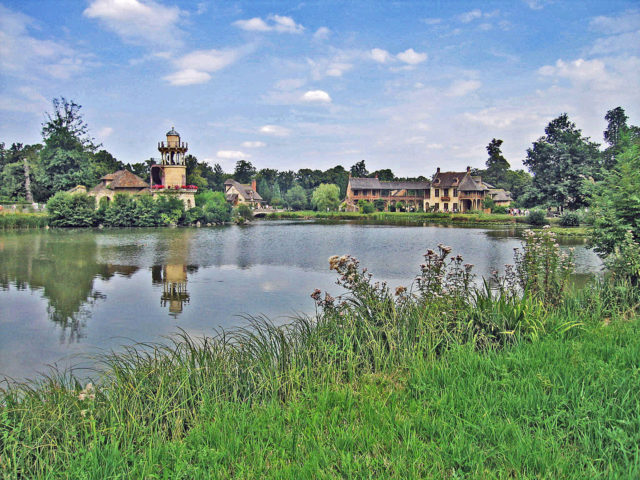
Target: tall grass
<point>401,217</point>
<point>149,396</point>
<point>10,221</point>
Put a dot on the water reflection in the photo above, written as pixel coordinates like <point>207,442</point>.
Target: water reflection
<point>68,292</point>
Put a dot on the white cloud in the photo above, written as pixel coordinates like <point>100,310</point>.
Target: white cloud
<point>187,77</point>
<point>22,54</point>
<point>432,21</point>
<point>195,67</point>
<point>537,4</point>
<point>105,132</point>
<point>460,88</point>
<point>316,96</point>
<point>276,23</point>
<point>321,34</point>
<point>254,144</point>
<point>626,22</point>
<point>255,24</point>
<point>232,155</point>
<point>337,69</point>
<point>579,70</point>
<point>287,84</point>
<point>470,16</point>
<point>275,130</point>
<point>138,21</point>
<point>412,57</point>
<point>380,55</point>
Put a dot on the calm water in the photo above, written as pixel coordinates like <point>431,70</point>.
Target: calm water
<point>67,293</point>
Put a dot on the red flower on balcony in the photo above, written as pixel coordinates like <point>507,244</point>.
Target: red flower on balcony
<point>158,187</point>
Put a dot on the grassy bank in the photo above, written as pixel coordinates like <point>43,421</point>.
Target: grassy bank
<point>443,380</point>
<point>571,231</point>
<point>10,221</point>
<point>400,217</point>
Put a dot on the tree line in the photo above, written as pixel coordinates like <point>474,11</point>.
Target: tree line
<point>561,165</point>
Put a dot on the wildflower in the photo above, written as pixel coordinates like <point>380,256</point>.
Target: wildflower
<point>316,294</point>
<point>87,392</point>
<point>400,290</point>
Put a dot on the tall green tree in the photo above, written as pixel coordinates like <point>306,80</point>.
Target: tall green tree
<point>68,149</point>
<point>264,190</point>
<point>326,197</point>
<point>385,175</point>
<point>497,165</point>
<point>276,195</point>
<point>616,205</point>
<point>359,170</point>
<point>561,161</point>
<point>105,163</point>
<point>244,171</point>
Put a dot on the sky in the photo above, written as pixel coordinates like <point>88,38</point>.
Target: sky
<point>406,85</point>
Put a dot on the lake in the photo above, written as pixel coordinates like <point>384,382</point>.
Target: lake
<point>66,293</point>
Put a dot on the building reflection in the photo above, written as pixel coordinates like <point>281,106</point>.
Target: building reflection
<point>173,278</point>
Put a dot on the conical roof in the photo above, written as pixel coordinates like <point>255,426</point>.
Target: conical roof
<point>173,132</point>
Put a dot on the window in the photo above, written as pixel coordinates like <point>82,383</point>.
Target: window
<point>446,207</point>
<point>427,194</point>
<point>437,193</point>
<point>384,193</point>
<point>437,206</point>
<point>455,192</point>
<point>455,207</point>
<point>445,192</point>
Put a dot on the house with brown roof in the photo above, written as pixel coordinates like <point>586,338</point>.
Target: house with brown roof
<point>238,193</point>
<point>122,181</point>
<point>456,192</point>
<point>413,195</point>
<point>500,196</point>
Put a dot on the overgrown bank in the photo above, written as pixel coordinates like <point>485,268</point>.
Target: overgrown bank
<point>438,380</point>
<point>392,217</point>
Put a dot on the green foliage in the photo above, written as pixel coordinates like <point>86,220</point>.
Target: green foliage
<point>366,207</point>
<point>121,212</point>
<point>359,170</point>
<point>499,210</point>
<point>536,217</point>
<point>170,209</point>
<point>264,190</point>
<point>244,171</point>
<point>570,219</point>
<point>213,208</point>
<point>616,211</point>
<point>400,207</point>
<point>67,210</point>
<point>276,195</point>
<point>326,197</point>
<point>296,198</point>
<point>9,221</point>
<point>497,165</point>
<point>488,203</point>
<point>244,212</point>
<point>379,204</point>
<point>561,161</point>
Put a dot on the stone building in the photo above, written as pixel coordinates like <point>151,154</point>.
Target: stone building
<point>237,193</point>
<point>169,177</point>
<point>122,181</point>
<point>413,195</point>
<point>456,192</point>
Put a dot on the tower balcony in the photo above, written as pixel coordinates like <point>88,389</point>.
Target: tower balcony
<point>173,146</point>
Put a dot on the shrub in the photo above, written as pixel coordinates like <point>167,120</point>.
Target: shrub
<point>536,217</point>
<point>71,210</point>
<point>366,207</point>
<point>170,209</point>
<point>499,209</point>
<point>379,204</point>
<point>570,219</point>
<point>244,211</point>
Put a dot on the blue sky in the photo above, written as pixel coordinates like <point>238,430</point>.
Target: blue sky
<point>407,85</point>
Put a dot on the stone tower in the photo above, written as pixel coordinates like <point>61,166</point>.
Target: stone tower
<point>174,170</point>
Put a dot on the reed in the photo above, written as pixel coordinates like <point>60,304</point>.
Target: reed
<point>11,221</point>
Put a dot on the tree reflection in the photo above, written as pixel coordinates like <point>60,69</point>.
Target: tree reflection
<point>63,267</point>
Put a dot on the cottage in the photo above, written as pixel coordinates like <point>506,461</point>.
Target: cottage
<point>500,196</point>
<point>413,195</point>
<point>456,192</point>
<point>238,193</point>
<point>122,181</point>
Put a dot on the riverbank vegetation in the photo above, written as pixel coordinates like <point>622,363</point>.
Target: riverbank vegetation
<point>11,221</point>
<point>523,376</point>
<point>397,217</point>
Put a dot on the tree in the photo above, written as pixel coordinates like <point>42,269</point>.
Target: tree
<point>561,161</point>
<point>385,175</point>
<point>326,197</point>
<point>264,190</point>
<point>286,179</point>
<point>105,163</point>
<point>296,198</point>
<point>244,171</point>
<point>141,169</point>
<point>497,165</point>
<point>616,205</point>
<point>618,135</point>
<point>276,195</point>
<point>67,155</point>
<point>359,170</point>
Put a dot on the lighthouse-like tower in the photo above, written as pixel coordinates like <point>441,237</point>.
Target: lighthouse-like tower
<point>170,176</point>
<point>174,170</point>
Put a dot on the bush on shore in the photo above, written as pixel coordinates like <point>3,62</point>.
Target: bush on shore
<point>9,221</point>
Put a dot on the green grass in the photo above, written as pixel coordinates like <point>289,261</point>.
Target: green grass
<point>571,231</point>
<point>401,217</point>
<point>9,221</point>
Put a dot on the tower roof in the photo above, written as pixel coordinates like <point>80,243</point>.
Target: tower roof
<point>173,132</point>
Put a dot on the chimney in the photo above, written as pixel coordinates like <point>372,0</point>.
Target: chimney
<point>253,185</point>
<point>468,169</point>
<point>438,170</point>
